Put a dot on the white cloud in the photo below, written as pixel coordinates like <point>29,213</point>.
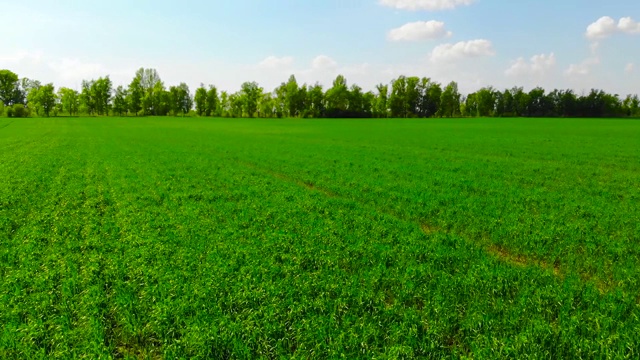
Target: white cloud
<point>323,62</point>
<point>21,56</point>
<point>629,26</point>
<point>537,65</point>
<point>274,62</point>
<point>419,30</point>
<point>583,68</point>
<point>75,70</point>
<point>629,68</point>
<point>602,28</point>
<point>461,50</point>
<point>430,5</point>
<point>606,26</point>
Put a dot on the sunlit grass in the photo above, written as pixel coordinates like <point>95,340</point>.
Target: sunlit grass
<point>209,238</point>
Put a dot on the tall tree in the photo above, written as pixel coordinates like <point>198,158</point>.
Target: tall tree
<point>68,100</point>
<point>8,85</point>
<point>485,98</point>
<point>338,98</point>
<point>101,90</point>
<point>33,99</point>
<point>87,99</point>
<point>47,98</point>
<point>135,93</point>
<point>120,101</point>
<point>397,98</point>
<point>450,101</point>
<point>251,93</point>
<point>200,99</point>
<point>213,102</point>
<point>292,99</point>
<point>381,107</point>
<point>186,102</point>
<point>316,100</point>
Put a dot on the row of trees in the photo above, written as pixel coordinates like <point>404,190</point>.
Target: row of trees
<point>404,97</point>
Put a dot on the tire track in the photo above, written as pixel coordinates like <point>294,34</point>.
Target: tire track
<point>497,252</point>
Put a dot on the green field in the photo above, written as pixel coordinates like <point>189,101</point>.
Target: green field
<point>209,238</point>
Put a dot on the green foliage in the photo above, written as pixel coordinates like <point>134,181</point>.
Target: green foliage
<point>193,238</point>
<point>120,105</point>
<point>405,97</point>
<point>69,100</point>
<point>213,103</point>
<point>200,99</point>
<point>8,86</point>
<point>17,111</point>
<point>251,95</point>
<point>42,99</point>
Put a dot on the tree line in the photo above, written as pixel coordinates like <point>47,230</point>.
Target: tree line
<point>404,97</point>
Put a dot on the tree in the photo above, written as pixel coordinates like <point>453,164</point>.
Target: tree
<point>160,100</point>
<point>381,108</point>
<point>316,100</point>
<point>251,93</point>
<point>47,98</point>
<point>213,103</point>
<point>87,100</point>
<point>8,85</point>
<point>291,97</point>
<point>225,106</point>
<point>430,94</point>
<point>18,111</point>
<point>539,103</point>
<point>338,98</point>
<point>412,97</point>
<point>397,98</point>
<point>135,93</point>
<point>631,105</point>
<point>33,99</point>
<point>186,102</point>
<point>151,96</point>
<point>266,107</point>
<point>120,100</point>
<point>68,100</point>
<point>485,98</point>
<point>101,90</point>
<point>180,99</point>
<point>235,105</point>
<point>200,100</point>
<point>450,101</point>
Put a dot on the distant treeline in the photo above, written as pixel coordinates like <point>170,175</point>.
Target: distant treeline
<point>405,97</point>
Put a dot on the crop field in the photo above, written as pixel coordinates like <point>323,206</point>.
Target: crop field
<point>167,238</point>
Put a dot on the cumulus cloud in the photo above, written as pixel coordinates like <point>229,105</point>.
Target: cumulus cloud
<point>419,30</point>
<point>462,50</point>
<point>537,65</point>
<point>274,62</point>
<point>606,26</point>
<point>431,5</point>
<point>629,26</point>
<point>583,68</point>
<point>323,62</point>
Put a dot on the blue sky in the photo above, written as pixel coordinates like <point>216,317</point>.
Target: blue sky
<point>577,44</point>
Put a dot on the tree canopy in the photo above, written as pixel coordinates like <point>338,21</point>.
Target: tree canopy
<point>404,97</point>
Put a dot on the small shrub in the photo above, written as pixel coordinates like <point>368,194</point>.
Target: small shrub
<point>19,111</point>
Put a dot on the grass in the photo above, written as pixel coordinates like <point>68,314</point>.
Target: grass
<point>209,238</point>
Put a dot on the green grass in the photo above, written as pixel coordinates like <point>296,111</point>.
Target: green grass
<point>208,238</point>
